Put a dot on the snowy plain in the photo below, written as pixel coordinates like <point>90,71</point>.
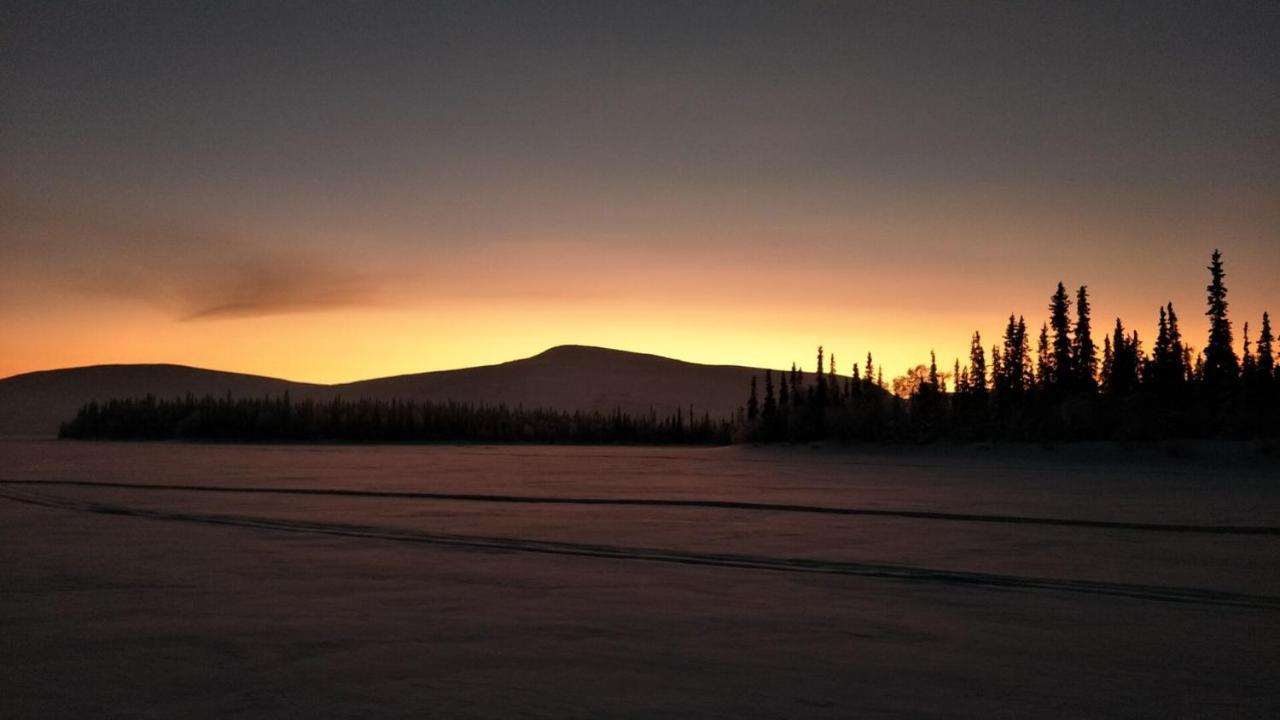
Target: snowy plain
<point>636,582</point>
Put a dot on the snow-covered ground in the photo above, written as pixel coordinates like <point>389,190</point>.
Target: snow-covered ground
<point>1126,594</point>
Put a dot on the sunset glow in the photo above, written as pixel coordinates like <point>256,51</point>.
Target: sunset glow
<point>422,207</point>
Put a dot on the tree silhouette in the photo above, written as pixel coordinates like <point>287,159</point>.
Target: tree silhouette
<point>770,412</point>
<point>1221,366</point>
<point>1248,367</point>
<point>977,366</point>
<point>1266,357</point>
<point>1084,350</point>
<point>753,404</point>
<point>1045,375</point>
<point>820,380</point>
<point>1061,371</point>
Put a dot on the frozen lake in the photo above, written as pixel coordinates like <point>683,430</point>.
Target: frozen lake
<point>635,582</point>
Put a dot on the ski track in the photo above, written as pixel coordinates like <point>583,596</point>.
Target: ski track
<point>676,503</point>
<point>732,561</point>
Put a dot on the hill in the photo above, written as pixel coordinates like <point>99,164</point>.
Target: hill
<point>35,403</point>
<point>570,377</point>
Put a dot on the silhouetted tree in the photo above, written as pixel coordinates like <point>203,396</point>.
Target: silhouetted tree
<point>820,380</point>
<point>1266,357</point>
<point>977,366</point>
<point>770,411</point>
<point>1061,370</point>
<point>753,405</point>
<point>1248,367</point>
<point>1221,366</point>
<point>1086,353</point>
<point>797,387</point>
<point>1045,375</point>
<point>1179,367</point>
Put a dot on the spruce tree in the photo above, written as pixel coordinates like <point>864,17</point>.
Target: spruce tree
<point>753,405</point>
<point>1024,352</point>
<point>977,365</point>
<point>1247,366</point>
<point>1108,363</point>
<point>820,391</point>
<point>833,381</point>
<point>1060,369</point>
<point>1085,352</point>
<point>1266,357</point>
<point>1179,366</point>
<point>770,410</point>
<point>1045,375</point>
<point>997,369</point>
<point>1221,366</point>
<point>1163,350</point>
<point>797,386</point>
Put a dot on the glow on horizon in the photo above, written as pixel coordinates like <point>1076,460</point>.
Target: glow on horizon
<point>357,343</point>
<point>329,193</point>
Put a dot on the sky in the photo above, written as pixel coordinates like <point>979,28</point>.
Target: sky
<point>335,191</point>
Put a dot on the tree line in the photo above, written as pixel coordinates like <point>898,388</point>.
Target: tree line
<point>1067,389</point>
<point>282,419</point>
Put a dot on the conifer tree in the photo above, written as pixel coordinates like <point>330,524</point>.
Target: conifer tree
<point>997,368</point>
<point>1024,353</point>
<point>1085,352</point>
<point>820,378</point>
<point>1045,375</point>
<point>797,386</point>
<point>753,405</point>
<point>1161,353</point>
<point>1108,362</point>
<point>770,410</point>
<point>1266,357</point>
<point>1060,369</point>
<point>833,381</point>
<point>1247,366</point>
<point>1221,366</point>
<point>1179,365</point>
<point>977,365</point>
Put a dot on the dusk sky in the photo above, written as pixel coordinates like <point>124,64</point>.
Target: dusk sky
<point>337,191</point>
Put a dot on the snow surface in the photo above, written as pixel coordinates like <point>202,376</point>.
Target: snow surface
<point>136,602</point>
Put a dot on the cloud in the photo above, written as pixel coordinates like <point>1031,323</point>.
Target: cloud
<point>287,287</point>
<point>192,275</point>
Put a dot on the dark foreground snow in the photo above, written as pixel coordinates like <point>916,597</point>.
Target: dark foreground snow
<point>137,602</point>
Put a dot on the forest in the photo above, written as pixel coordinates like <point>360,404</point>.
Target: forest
<point>1067,389</point>
<point>280,419</point>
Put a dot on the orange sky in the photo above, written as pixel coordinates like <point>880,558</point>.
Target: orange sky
<point>895,291</point>
<point>331,192</point>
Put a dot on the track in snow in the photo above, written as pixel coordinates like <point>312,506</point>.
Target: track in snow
<point>746,562</point>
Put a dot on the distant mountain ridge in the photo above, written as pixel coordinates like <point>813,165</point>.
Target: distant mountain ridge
<point>566,377</point>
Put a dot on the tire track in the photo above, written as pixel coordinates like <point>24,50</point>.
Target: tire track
<point>731,561</point>
<point>676,503</point>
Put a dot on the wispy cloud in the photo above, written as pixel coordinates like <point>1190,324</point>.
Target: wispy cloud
<point>264,291</point>
<point>193,275</point>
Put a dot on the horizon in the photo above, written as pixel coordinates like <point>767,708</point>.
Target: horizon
<point>1240,341</point>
